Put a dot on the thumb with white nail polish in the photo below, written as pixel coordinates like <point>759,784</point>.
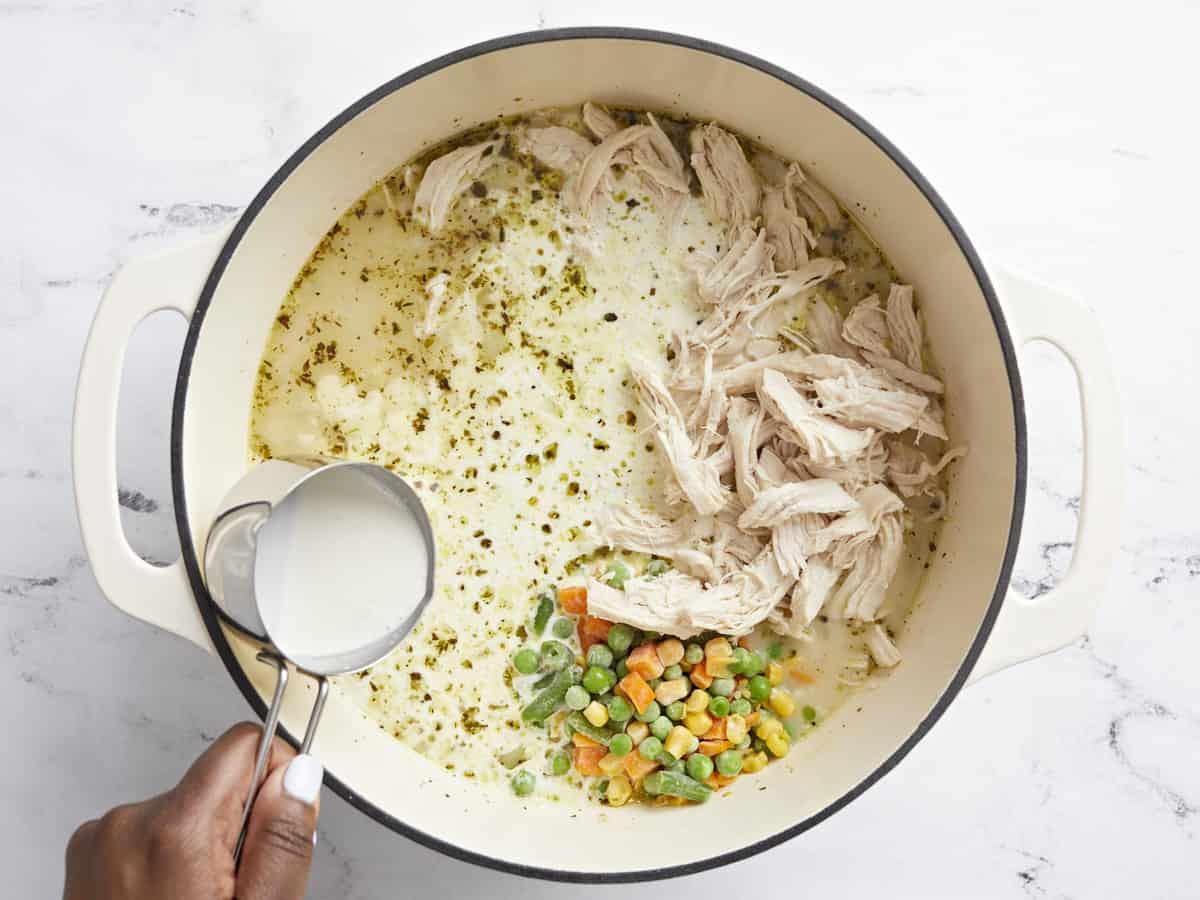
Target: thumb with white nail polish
<point>282,832</point>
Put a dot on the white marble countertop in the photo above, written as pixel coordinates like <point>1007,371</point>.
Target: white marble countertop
<point>1062,134</point>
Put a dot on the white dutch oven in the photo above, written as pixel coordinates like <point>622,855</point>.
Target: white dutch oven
<point>966,624</point>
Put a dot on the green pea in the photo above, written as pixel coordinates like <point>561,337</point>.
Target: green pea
<point>622,668</point>
<point>545,609</point>
<point>790,729</point>
<point>620,637</point>
<point>650,713</point>
<point>556,656</point>
<point>741,707</point>
<point>600,787</point>
<point>775,651</point>
<point>526,661</point>
<point>676,711</point>
<point>560,763</point>
<point>760,688</point>
<point>743,743</point>
<point>722,687</point>
<point>656,567</point>
<point>650,748</point>
<point>676,766</point>
<point>754,664</point>
<point>577,697</point>
<point>699,766</point>
<point>729,762</point>
<point>719,706</point>
<point>661,727</point>
<point>599,655</point>
<point>616,574</point>
<point>620,744</point>
<point>670,673</point>
<point>741,656</point>
<point>523,783</point>
<point>597,679</point>
<point>809,714</point>
<point>562,628</point>
<point>576,675</point>
<point>619,710</point>
<point>692,654</point>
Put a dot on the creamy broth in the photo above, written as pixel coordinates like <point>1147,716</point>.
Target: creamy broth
<point>515,422</point>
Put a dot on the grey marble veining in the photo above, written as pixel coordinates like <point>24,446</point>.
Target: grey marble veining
<point>1060,134</point>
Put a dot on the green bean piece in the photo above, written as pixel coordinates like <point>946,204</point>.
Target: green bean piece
<point>656,567</point>
<point>699,766</point>
<point>526,661</point>
<point>651,712</point>
<point>651,635</point>
<point>809,714</point>
<point>650,748</point>
<point>741,707</point>
<point>729,762</point>
<point>676,711</point>
<point>556,656</point>
<point>616,574</point>
<point>620,710</point>
<point>544,681</point>
<point>577,697</point>
<point>670,673</point>
<point>523,783</point>
<point>599,655</point>
<point>722,687</point>
<point>560,763</point>
<point>620,744</point>
<point>741,656</point>
<point>562,628</point>
<point>760,688</point>
<point>551,698</point>
<point>661,727</point>
<point>673,784</point>
<point>599,680</point>
<point>719,706</point>
<point>587,729</point>
<point>692,654</point>
<point>620,638</point>
<point>545,609</point>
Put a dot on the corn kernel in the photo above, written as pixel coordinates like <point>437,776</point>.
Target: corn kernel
<point>769,728</point>
<point>717,666</point>
<point>670,651</point>
<point>697,702</point>
<point>781,702</point>
<point>718,648</point>
<point>778,745</point>
<point>611,765</point>
<point>754,762</point>
<point>669,691</point>
<point>678,741</point>
<point>637,731</point>
<point>596,713</point>
<point>619,791</point>
<point>774,673</point>
<point>735,728</point>
<point>693,743</point>
<point>698,722</point>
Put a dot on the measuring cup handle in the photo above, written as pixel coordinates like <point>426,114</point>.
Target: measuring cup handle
<point>270,723</point>
<point>310,733</point>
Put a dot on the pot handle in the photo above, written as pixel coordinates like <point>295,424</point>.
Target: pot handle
<point>158,595</point>
<point>1029,628</point>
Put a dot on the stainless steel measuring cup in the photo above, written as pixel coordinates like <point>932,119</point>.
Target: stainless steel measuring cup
<point>239,578</point>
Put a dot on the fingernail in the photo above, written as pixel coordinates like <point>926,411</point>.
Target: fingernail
<point>302,779</point>
<point>314,839</point>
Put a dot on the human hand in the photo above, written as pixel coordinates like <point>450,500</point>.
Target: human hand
<point>180,844</point>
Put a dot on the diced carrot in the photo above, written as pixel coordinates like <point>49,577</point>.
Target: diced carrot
<point>700,677</point>
<point>637,766</point>
<point>634,687</point>
<point>712,748</point>
<point>587,759</point>
<point>744,643</point>
<point>716,781</point>
<point>573,600</point>
<point>582,740</point>
<point>753,719</point>
<point>801,676</point>
<point>716,733</point>
<point>592,630</point>
<point>644,660</point>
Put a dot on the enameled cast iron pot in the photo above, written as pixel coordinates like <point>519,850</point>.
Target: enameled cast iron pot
<point>965,624</point>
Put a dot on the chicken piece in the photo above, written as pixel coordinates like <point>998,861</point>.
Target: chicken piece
<point>631,528</point>
<point>730,186</point>
<point>857,473</point>
<point>862,591</point>
<point>697,478</point>
<point>598,121</point>
<point>787,230</point>
<point>903,327</point>
<point>657,161</point>
<point>776,505</point>
<point>447,177</point>
<point>880,646</point>
<point>808,598</point>
<point>910,470</point>
<point>557,147</point>
<point>824,330</point>
<point>814,201</point>
<point>660,604</point>
<point>772,471</point>
<point>747,261</point>
<point>598,163</point>
<point>435,294</point>
<point>845,537</point>
<point>742,600</point>
<point>400,198</point>
<point>931,422</point>
<point>823,439</point>
<point>866,326</point>
<point>793,541</point>
<point>898,370</point>
<point>744,418</point>
<point>861,405</point>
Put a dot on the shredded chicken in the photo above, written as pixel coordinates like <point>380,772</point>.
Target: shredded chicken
<point>447,177</point>
<point>557,147</point>
<point>823,439</point>
<point>730,185</point>
<point>880,646</point>
<point>435,294</point>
